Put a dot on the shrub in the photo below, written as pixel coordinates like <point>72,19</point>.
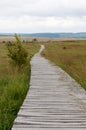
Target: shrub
<point>34,40</point>
<point>17,53</point>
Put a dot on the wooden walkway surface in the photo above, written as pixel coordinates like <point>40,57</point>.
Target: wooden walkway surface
<point>54,102</point>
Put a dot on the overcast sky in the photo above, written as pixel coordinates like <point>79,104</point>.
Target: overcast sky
<point>30,16</point>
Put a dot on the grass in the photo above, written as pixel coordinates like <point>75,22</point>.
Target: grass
<point>70,56</point>
<point>13,86</point>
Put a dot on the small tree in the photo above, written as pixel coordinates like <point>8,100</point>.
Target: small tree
<point>17,53</point>
<point>34,40</point>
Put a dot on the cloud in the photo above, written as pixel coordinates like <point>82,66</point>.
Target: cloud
<point>43,8</point>
<point>42,15</point>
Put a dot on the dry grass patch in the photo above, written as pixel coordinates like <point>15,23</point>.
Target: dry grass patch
<point>70,56</point>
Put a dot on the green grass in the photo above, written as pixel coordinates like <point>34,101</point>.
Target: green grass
<point>70,56</point>
<point>13,86</point>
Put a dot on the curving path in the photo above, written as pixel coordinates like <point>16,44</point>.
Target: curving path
<point>54,102</point>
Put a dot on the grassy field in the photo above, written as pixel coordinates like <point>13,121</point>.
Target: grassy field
<point>13,86</point>
<point>70,56</point>
<point>4,39</point>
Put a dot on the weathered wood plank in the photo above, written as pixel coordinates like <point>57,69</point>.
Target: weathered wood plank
<point>54,101</point>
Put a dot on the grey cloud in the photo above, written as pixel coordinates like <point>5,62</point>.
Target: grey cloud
<point>43,8</point>
<point>42,15</point>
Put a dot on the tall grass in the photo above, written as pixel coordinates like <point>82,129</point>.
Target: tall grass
<point>13,86</point>
<point>70,56</point>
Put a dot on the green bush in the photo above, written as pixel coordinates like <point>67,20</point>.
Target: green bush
<point>17,53</point>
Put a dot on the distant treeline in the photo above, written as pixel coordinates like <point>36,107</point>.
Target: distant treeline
<point>49,35</point>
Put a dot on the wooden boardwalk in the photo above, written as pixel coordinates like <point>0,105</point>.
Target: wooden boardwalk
<point>54,102</point>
